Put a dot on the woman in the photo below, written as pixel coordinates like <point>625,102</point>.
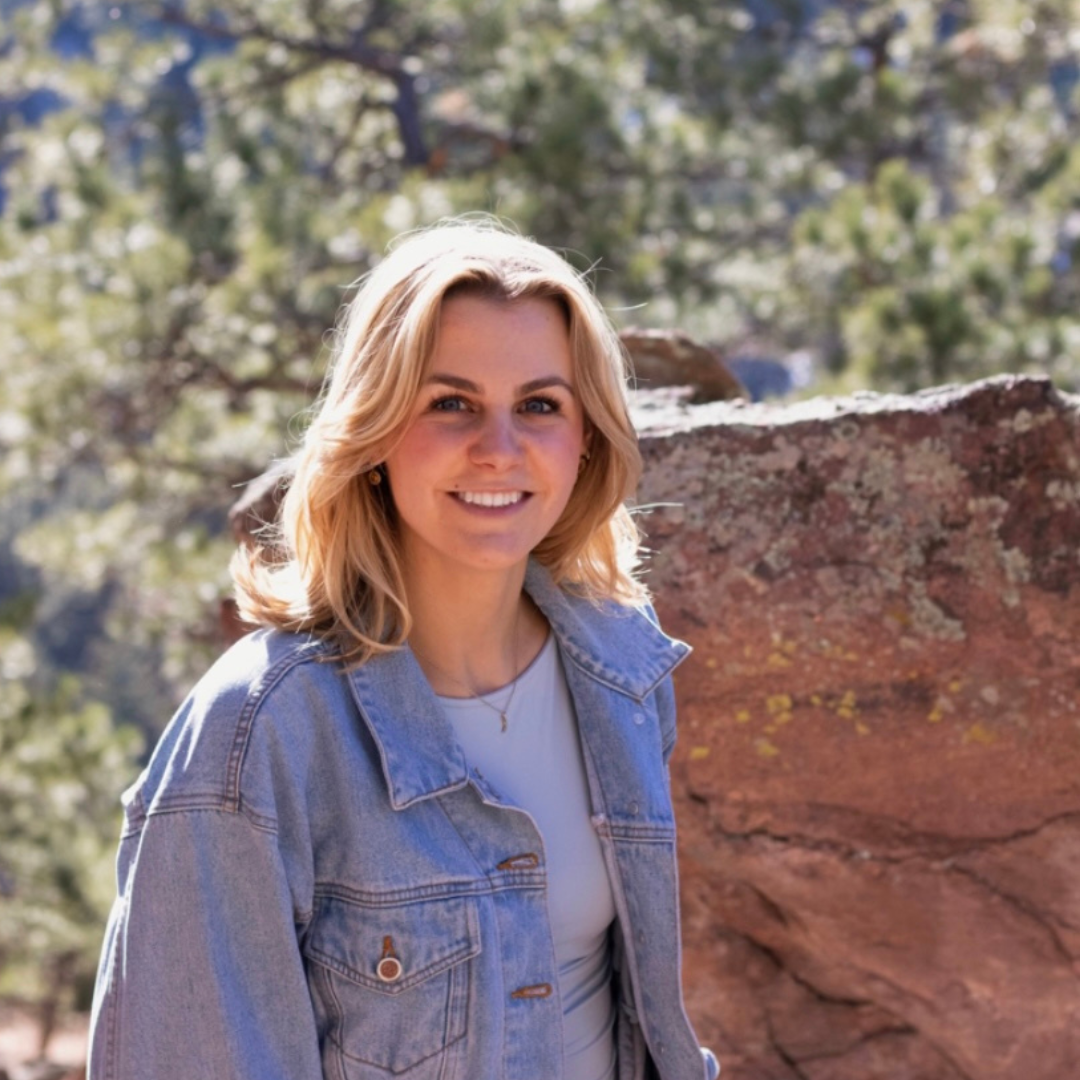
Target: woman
<point>419,825</point>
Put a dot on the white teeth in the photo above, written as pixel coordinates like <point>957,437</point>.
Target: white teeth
<point>491,498</point>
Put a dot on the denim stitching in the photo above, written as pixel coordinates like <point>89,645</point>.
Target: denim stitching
<point>412,1065</point>
<point>305,652</point>
<point>587,660</point>
<point>251,818</point>
<point>337,1028</point>
<point>522,879</point>
<point>465,1014</point>
<point>447,1042</point>
<point>448,1012</point>
<point>186,800</point>
<point>631,832</point>
<point>629,842</point>
<point>112,1037</point>
<point>393,990</point>
<point>507,879</point>
<point>455,785</point>
<point>466,951</point>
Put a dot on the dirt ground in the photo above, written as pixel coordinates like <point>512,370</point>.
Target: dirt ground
<point>18,1042</point>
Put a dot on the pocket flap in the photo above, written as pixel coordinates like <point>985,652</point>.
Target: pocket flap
<point>425,937</point>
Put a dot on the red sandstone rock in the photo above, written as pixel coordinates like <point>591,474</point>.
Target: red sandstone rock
<point>878,774</point>
<point>671,358</point>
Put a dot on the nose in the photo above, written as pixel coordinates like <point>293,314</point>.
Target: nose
<point>496,443</point>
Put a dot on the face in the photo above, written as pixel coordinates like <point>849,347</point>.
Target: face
<point>491,453</point>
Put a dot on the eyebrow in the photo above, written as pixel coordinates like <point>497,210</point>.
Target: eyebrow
<point>469,386</point>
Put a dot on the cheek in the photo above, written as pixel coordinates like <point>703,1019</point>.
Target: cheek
<point>562,456</point>
<point>418,452</point>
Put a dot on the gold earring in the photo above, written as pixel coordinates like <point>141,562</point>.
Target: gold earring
<point>582,462</point>
<point>374,478</point>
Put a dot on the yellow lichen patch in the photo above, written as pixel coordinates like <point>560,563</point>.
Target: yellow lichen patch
<point>777,660</point>
<point>742,716</point>
<point>699,753</point>
<point>838,652</point>
<point>779,707</point>
<point>979,733</point>
<point>955,686</point>
<point>862,729</point>
<point>845,708</point>
<point>711,662</point>
<point>765,748</point>
<point>942,706</point>
<point>815,699</point>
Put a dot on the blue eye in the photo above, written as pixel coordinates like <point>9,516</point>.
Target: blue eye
<point>448,404</point>
<point>541,405</point>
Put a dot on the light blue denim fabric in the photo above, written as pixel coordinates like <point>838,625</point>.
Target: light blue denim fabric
<point>297,824</point>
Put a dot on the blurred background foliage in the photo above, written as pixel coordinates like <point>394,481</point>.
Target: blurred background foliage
<point>889,190</point>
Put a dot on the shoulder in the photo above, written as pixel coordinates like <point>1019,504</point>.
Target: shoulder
<point>260,705</point>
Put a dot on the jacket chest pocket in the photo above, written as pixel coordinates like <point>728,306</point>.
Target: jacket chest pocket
<point>390,983</point>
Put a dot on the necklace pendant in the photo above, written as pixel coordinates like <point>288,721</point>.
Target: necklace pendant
<point>503,717</point>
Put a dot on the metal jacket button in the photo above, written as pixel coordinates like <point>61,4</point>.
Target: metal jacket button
<point>389,968</point>
<point>528,861</point>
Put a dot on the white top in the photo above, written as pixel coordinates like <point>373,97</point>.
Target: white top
<point>537,764</point>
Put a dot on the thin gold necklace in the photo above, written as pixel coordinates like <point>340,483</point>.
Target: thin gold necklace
<point>476,695</point>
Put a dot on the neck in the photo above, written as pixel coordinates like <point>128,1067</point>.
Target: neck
<point>472,633</point>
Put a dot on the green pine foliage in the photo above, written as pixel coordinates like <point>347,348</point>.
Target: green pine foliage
<point>62,762</point>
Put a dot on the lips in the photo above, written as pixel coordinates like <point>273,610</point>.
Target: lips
<point>492,499</point>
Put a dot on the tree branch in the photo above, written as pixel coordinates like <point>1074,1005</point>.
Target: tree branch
<point>356,53</point>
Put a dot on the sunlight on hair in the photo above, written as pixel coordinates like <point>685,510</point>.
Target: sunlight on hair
<point>331,564</point>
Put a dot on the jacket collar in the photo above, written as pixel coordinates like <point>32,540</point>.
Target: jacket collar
<point>621,647</point>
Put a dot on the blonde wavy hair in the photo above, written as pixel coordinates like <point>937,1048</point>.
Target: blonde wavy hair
<point>331,563</point>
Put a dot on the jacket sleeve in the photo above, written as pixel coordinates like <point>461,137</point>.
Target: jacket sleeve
<point>201,974</point>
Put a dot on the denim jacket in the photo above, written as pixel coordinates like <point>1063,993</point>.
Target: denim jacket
<point>312,882</point>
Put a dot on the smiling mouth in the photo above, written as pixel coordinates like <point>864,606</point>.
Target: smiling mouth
<point>490,498</point>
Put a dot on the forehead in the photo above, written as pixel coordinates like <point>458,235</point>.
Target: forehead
<point>492,335</point>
